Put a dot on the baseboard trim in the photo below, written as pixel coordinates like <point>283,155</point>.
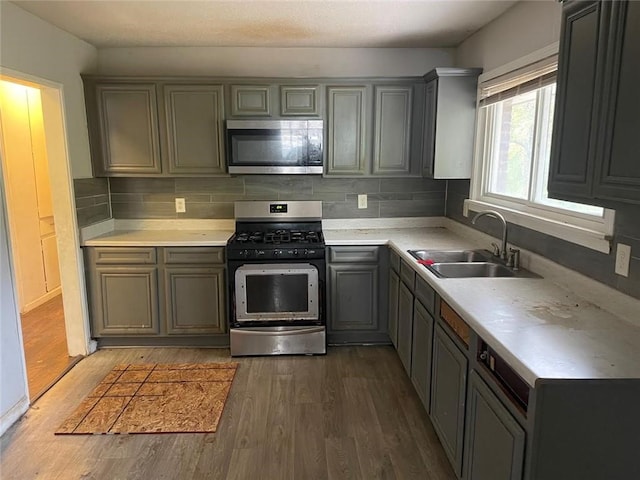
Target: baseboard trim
<point>42,300</point>
<point>13,414</point>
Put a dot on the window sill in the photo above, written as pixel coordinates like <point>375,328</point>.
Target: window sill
<point>592,239</point>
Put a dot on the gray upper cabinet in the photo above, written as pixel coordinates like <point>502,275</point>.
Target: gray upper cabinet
<point>123,128</point>
<point>357,294</point>
<point>251,101</point>
<point>449,122</point>
<point>584,30</point>
<point>618,178</point>
<point>195,131</point>
<point>347,142</point>
<point>495,442</point>
<point>299,100</point>
<point>392,132</point>
<point>595,140</point>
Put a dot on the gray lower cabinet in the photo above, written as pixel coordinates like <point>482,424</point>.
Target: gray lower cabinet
<point>156,292</point>
<point>195,300</point>
<point>405,326</point>
<point>123,128</point>
<point>421,348</point>
<point>194,125</point>
<point>495,441</point>
<point>392,318</point>
<point>357,295</point>
<point>448,393</point>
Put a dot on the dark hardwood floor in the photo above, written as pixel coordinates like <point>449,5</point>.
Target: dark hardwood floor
<point>352,414</point>
<point>45,346</point>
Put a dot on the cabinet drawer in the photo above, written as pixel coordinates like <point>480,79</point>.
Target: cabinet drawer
<point>457,324</point>
<point>124,255</point>
<point>407,274</point>
<point>394,261</point>
<point>354,254</point>
<point>193,255</point>
<point>425,294</point>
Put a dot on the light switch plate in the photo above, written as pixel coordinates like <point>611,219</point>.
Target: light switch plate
<point>623,256</point>
<point>181,207</point>
<point>362,201</point>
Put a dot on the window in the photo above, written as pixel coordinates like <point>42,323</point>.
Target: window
<point>513,146</point>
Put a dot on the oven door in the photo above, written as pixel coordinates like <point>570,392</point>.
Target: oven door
<point>277,292</point>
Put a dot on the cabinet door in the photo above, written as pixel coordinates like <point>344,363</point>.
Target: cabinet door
<point>578,98</point>
<point>194,123</point>
<point>405,326</point>
<point>127,130</point>
<point>495,442</point>
<point>354,297</point>
<point>124,300</point>
<point>392,133</point>
<point>448,390</point>
<point>429,134</point>
<point>619,177</point>
<point>250,101</point>
<point>347,112</point>
<point>194,299</point>
<point>299,100</point>
<point>421,352</point>
<point>394,288</point>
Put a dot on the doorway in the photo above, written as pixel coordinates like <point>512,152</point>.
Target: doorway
<point>33,239</point>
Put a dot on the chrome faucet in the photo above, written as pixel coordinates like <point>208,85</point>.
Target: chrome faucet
<point>492,213</point>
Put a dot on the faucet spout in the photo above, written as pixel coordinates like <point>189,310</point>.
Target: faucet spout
<point>499,217</point>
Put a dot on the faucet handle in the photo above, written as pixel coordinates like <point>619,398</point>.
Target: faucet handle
<point>514,258</point>
<point>496,249</point>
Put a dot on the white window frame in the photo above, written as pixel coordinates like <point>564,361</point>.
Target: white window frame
<point>586,230</point>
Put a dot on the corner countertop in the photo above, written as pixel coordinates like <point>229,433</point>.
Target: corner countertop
<point>561,326</point>
<point>545,328</point>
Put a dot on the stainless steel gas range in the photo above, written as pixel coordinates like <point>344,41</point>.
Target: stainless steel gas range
<point>276,278</point>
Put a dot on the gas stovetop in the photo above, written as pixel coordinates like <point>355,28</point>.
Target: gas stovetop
<point>277,231</point>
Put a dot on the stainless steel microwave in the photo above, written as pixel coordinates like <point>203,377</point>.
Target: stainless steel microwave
<point>275,146</point>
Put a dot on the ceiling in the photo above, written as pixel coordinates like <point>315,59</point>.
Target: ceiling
<point>267,23</point>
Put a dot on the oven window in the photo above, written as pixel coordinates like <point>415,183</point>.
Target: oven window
<point>277,293</point>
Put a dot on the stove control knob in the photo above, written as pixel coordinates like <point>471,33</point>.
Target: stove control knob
<point>295,252</point>
<point>245,253</point>
<point>260,253</point>
<point>309,253</point>
<point>277,253</point>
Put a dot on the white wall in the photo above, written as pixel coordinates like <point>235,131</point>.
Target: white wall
<point>524,28</point>
<point>32,46</point>
<point>272,62</point>
<point>13,385</point>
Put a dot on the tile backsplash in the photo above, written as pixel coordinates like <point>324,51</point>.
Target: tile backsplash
<point>92,200</point>
<point>214,197</point>
<point>597,265</point>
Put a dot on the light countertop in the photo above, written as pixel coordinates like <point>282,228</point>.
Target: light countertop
<point>563,325</point>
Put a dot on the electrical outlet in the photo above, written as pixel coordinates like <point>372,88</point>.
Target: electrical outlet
<point>181,207</point>
<point>623,256</point>
<point>362,201</point>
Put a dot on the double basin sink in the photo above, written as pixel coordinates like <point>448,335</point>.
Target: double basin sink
<point>466,264</point>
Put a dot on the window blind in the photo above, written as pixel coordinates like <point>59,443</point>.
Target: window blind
<point>523,80</point>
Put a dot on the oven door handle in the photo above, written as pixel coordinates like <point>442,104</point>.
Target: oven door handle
<point>270,331</point>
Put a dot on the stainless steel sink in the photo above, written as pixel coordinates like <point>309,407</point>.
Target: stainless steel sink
<point>471,269</point>
<point>467,264</point>
<point>448,256</point>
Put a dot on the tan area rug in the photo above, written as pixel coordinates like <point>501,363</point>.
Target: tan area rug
<point>155,398</point>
